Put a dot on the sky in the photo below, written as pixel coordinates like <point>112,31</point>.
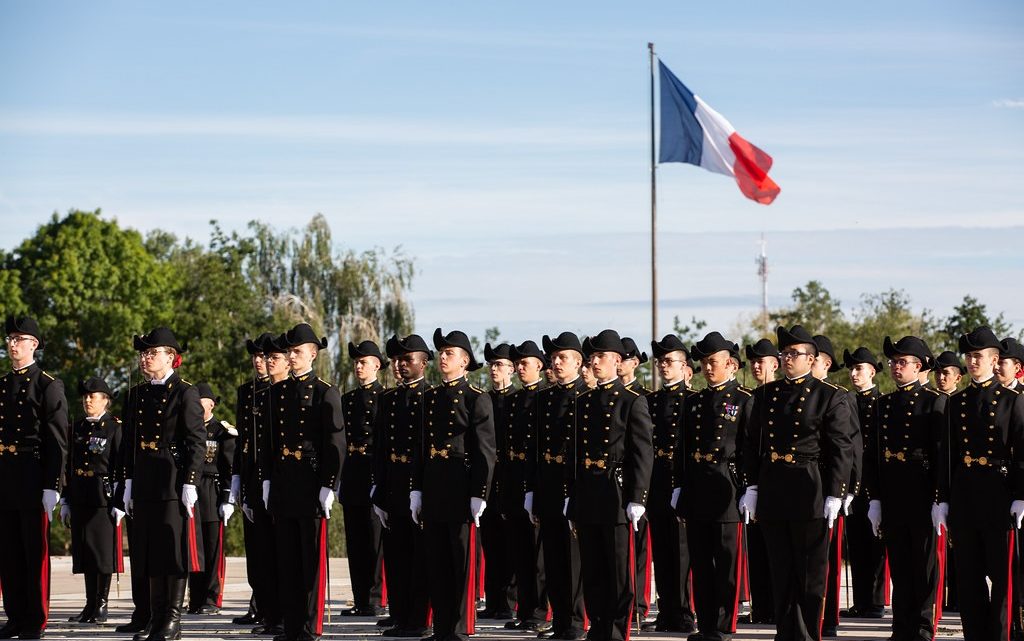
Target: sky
<point>505,146</point>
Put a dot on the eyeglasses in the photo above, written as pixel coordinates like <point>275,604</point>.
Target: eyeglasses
<point>902,362</point>
<point>790,354</point>
<point>14,340</point>
<point>274,358</point>
<point>152,353</point>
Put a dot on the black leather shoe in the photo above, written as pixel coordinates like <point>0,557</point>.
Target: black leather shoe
<point>8,631</point>
<point>36,633</point>
<point>548,634</point>
<point>412,633</point>
<point>209,609</point>
<point>829,632</point>
<point>132,626</point>
<point>283,637</point>
<point>268,630</point>
<point>386,622</point>
<point>696,636</point>
<point>573,635</point>
<point>249,618</point>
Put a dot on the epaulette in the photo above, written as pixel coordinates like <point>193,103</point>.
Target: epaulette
<point>186,383</point>
<point>832,385</point>
<point>839,386</point>
<point>47,375</point>
<point>229,428</point>
<point>1015,390</point>
<point>117,419</point>
<point>585,392</point>
<point>476,389</point>
<point>745,390</point>
<point>933,391</point>
<point>632,392</point>
<point>324,382</point>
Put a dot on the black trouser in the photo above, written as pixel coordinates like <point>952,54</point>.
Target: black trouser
<point>140,583</point>
<point>301,572</point>
<point>607,578</point>
<point>797,552</point>
<point>914,569</point>
<point>867,558</point>
<point>498,589</point>
<point>261,563</point>
<point>642,571</point>
<point>981,551</point>
<point>834,573</point>
<point>562,571</point>
<point>524,550</point>
<point>448,546</point>
<point>671,569</point>
<point>762,600</point>
<point>714,548</point>
<point>951,602</point>
<point>365,554</point>
<point>204,587</point>
<point>25,567</point>
<point>405,568</point>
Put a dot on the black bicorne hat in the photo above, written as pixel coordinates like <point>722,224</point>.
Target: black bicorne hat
<point>795,336</point>
<point>303,333</point>
<point>270,344</point>
<point>24,325</point>
<point>858,356</point>
<point>366,348</point>
<point>824,345</point>
<point>950,359</point>
<point>980,338</point>
<point>456,338</point>
<point>1011,348</point>
<point>501,351</point>
<point>607,340</point>
<point>159,337</point>
<point>95,384</point>
<point>254,345</point>
<point>671,343</point>
<point>715,342</point>
<point>565,340</point>
<point>761,349</point>
<point>908,346</point>
<point>632,351</point>
<point>205,391</point>
<point>409,345</point>
<point>527,349</point>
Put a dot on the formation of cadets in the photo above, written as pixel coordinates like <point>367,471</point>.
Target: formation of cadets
<point>573,487</point>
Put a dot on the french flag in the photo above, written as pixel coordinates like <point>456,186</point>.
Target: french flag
<point>694,133</point>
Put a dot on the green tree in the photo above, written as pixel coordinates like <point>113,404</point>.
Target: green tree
<point>967,316</point>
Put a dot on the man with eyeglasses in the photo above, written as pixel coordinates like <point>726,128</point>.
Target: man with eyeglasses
<point>796,484</point>
<point>33,449</point>
<point>979,481</point>
<point>867,554</point>
<point>668,533</point>
<point>900,483</point>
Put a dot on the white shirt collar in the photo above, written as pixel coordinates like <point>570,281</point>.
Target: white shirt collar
<point>162,381</point>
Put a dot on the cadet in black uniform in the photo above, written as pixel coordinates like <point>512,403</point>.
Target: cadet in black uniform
<point>95,539</point>
<point>521,450</point>
<point>949,369</point>
<point>246,491</point>
<point>162,468</point>
<point>1011,356</point>
<point>363,534</point>
<point>612,460</point>
<point>33,448</point>
<point>979,483</point>
<point>796,500</point>
<point>206,588</point>
<point>668,533</point>
<point>451,472</point>
<point>763,359</point>
<point>399,433</point>
<point>548,481</point>
<point>867,553</point>
<point>714,428</point>
<point>300,465</point>
<point>499,589</point>
<point>900,483</point>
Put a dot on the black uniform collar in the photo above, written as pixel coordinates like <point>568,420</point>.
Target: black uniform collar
<point>799,380</point>
<point>303,377</point>
<point>722,386</point>
<point>504,390</point>
<point>371,385</point>
<point>96,421</point>
<point>867,392</point>
<point>455,382</point>
<point>909,387</point>
<point>615,382</point>
<point>573,384</point>
<point>25,370</point>
<point>672,387</point>
<point>532,387</point>
<point>983,384</point>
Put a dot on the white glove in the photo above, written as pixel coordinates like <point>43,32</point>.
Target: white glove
<point>1017,511</point>
<point>373,490</point>
<point>415,505</point>
<point>382,515</point>
<point>676,491</point>
<point>128,496</point>
<point>247,511</point>
<point>326,501</point>
<point>875,515</point>
<point>565,507</point>
<point>748,504</point>
<point>226,510</point>
<point>634,512</point>
<point>939,513</point>
<point>118,514</point>
<point>831,511</point>
<point>528,506</point>
<point>236,489</point>
<point>846,504</point>
<point>476,508</point>
<point>189,496</point>
<point>50,498</point>
<point>266,494</point>
<point>65,513</point>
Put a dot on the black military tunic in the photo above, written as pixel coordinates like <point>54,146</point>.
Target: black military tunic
<point>95,541</point>
<point>454,463</point>
<point>714,429</point>
<point>398,435</point>
<point>612,459</point>
<point>641,542</point>
<point>981,471</point>
<point>795,423</point>
<point>214,487</point>
<point>549,478</point>
<point>499,590</point>
<point>524,544</point>
<point>362,528</point>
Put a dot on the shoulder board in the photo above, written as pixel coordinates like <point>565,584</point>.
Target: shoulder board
<point>632,392</point>
<point>229,428</point>
<point>324,382</point>
<point>47,375</point>
<point>832,385</point>
<point>745,390</point>
<point>117,419</point>
<point>1015,390</point>
<point>841,387</point>
<point>476,389</point>
<point>585,392</point>
<point>186,383</point>
<point>930,390</point>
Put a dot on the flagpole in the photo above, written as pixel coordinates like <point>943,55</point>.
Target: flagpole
<point>654,263</point>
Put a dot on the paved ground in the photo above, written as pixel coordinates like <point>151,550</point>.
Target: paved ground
<point>68,598</point>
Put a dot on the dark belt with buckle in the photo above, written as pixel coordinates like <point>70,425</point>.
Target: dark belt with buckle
<point>556,458</point>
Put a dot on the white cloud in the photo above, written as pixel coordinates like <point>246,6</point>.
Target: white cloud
<point>1008,103</point>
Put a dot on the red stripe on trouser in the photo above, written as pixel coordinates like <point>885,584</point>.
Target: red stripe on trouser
<point>222,569</point>
<point>739,576</point>
<point>940,588</point>
<point>321,577</point>
<point>746,572</point>
<point>483,571</point>
<point>118,549</point>
<point>1009,586</point>
<point>887,587</point>
<point>471,583</point>
<point>830,534</point>
<point>383,584</point>
<point>840,524</point>
<point>632,578</point>
<point>44,570</point>
<point>647,570</point>
<point>193,551</point>
<point>689,589</point>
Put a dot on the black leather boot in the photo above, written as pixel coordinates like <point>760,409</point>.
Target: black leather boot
<point>90,600</point>
<point>157,606</point>
<point>170,630</point>
<point>102,593</point>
